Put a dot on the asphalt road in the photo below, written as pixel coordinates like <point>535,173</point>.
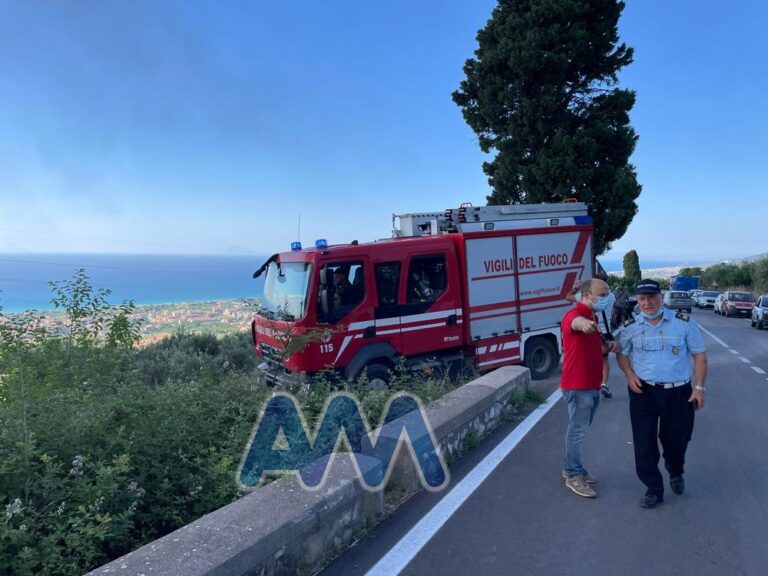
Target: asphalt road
<point>522,520</point>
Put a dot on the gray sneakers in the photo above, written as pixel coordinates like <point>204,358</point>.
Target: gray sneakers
<point>578,485</point>
<point>587,477</point>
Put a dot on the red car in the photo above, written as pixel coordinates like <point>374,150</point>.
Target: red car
<point>737,303</point>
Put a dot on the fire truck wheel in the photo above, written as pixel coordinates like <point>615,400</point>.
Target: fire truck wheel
<point>540,357</point>
<point>378,376</point>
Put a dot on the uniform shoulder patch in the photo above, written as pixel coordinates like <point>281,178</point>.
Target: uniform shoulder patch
<point>683,316</point>
<point>629,321</point>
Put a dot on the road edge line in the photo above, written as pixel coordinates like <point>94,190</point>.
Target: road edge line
<point>715,338</point>
<point>406,549</point>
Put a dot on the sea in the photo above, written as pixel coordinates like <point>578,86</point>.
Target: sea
<point>145,279</point>
<point>151,279</point>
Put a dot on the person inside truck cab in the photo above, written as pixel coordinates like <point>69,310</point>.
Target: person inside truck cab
<point>343,293</point>
<point>421,291</point>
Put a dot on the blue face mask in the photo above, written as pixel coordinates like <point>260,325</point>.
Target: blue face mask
<point>602,303</point>
<point>655,315</point>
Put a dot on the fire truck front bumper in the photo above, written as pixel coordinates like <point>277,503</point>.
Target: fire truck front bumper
<point>277,375</point>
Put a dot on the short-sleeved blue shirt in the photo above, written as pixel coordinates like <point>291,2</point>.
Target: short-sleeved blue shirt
<point>660,353</point>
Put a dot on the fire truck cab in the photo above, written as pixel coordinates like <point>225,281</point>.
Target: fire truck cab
<point>485,284</point>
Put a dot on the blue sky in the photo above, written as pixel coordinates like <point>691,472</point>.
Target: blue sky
<point>208,127</point>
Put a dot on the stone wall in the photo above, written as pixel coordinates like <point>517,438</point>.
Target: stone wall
<point>281,528</point>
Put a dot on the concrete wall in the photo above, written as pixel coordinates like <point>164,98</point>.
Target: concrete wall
<point>283,529</point>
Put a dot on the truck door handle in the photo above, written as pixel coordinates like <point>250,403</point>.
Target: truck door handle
<point>369,332</point>
<point>451,320</point>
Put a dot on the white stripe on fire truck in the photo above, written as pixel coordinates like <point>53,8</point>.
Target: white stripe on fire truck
<point>494,312</point>
<point>499,360</point>
<point>347,340</point>
<point>405,319</point>
<point>412,328</point>
<point>422,327</point>
<point>360,325</point>
<point>498,347</point>
<point>429,316</point>
<point>355,326</point>
<point>524,307</point>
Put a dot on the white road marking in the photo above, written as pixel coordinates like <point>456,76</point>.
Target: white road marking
<point>745,360</point>
<point>394,561</point>
<point>716,339</point>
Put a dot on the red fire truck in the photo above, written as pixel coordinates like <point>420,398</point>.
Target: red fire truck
<point>486,284</point>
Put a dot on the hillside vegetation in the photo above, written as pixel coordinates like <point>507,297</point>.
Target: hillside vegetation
<point>105,446</point>
<point>749,275</point>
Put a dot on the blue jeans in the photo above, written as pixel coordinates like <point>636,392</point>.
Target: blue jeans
<point>581,410</point>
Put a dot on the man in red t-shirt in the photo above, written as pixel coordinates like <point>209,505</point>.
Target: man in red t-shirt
<point>583,349</point>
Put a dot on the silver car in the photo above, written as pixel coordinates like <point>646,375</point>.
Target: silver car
<point>760,312</point>
<point>705,299</point>
<point>677,300</point>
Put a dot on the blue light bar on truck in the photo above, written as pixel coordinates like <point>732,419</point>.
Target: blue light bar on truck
<point>296,246</point>
<point>321,244</point>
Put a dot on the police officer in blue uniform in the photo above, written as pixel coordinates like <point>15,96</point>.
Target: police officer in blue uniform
<point>663,392</point>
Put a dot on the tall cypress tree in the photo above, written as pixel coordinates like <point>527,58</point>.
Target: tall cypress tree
<point>632,272</point>
<point>542,93</point>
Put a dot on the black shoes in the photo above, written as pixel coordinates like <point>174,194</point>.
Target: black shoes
<point>651,501</point>
<point>677,483</point>
<point>605,391</point>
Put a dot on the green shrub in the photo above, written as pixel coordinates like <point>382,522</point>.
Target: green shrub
<point>105,446</point>
<point>153,455</point>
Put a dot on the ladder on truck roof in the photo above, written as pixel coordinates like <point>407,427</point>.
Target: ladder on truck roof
<point>485,218</point>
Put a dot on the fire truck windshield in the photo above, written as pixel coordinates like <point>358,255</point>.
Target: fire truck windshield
<point>285,290</point>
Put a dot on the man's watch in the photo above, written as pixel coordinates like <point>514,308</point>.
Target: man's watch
<point>701,388</point>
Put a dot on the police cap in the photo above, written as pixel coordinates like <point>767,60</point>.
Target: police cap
<point>647,287</point>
